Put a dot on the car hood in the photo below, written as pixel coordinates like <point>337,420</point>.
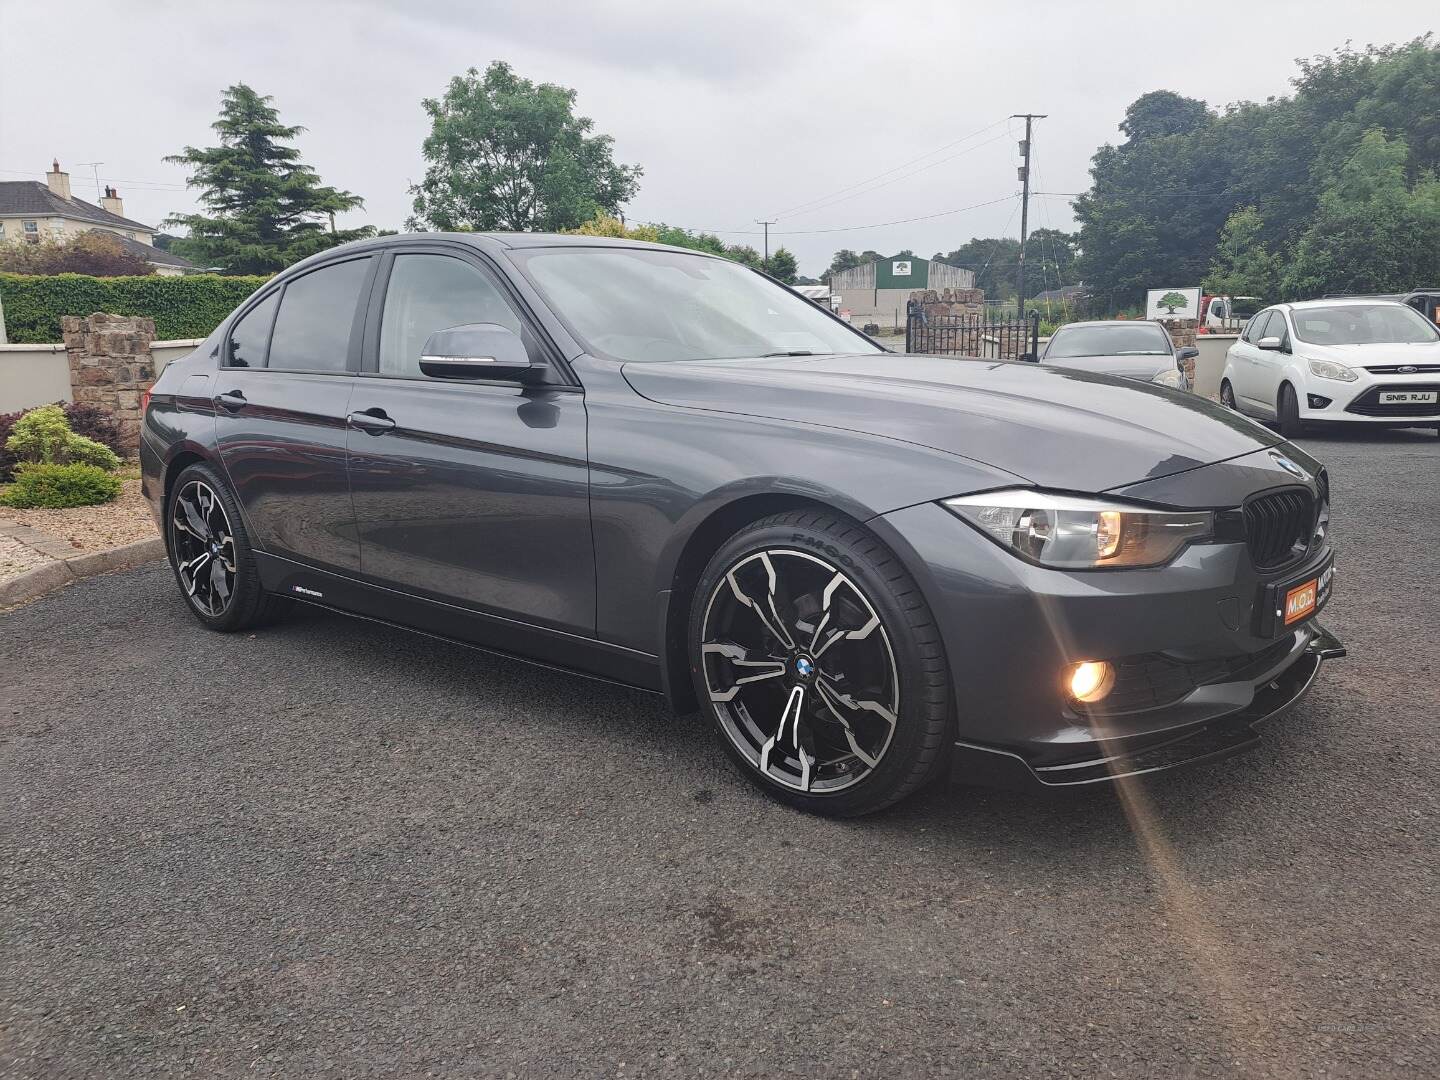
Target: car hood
<point>1056,427</point>
<point>1126,367</point>
<point>1382,354</point>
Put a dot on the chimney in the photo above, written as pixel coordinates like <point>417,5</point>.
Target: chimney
<point>59,181</point>
<point>112,201</point>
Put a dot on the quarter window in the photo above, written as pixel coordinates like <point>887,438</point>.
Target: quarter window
<point>317,314</point>
<point>429,293</point>
<point>251,335</point>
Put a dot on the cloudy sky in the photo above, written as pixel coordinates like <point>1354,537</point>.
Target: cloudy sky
<point>834,119</point>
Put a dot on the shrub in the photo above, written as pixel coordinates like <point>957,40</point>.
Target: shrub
<point>43,436</point>
<point>94,423</point>
<point>57,487</point>
<point>182,307</point>
<point>8,460</point>
<point>96,252</point>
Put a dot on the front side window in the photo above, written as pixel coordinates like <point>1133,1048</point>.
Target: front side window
<point>1363,324</point>
<point>1256,330</point>
<point>317,313</point>
<point>1113,339</point>
<point>644,304</point>
<point>429,293</point>
<point>250,337</point>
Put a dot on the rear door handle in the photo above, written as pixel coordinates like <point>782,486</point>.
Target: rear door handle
<point>231,400</point>
<point>371,421</point>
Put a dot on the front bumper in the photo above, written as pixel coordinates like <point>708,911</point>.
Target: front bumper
<point>1110,760</point>
<point>1358,402</point>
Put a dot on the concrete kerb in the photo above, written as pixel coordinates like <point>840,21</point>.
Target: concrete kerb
<point>37,581</point>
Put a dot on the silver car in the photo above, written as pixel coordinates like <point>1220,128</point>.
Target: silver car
<point>1131,350</point>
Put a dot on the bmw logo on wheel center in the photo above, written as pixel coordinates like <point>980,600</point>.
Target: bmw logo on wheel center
<point>804,667</point>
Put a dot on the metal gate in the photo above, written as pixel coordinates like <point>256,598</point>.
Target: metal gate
<point>971,335</point>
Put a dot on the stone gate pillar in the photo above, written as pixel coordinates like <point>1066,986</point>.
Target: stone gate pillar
<point>111,366</point>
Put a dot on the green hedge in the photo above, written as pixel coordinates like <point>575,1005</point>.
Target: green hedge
<point>182,307</point>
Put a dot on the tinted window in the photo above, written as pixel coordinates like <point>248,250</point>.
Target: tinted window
<point>312,331</point>
<point>1113,339</point>
<point>434,292</point>
<point>1255,331</point>
<point>251,334</point>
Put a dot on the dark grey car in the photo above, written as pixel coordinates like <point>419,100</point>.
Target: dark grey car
<point>1129,350</point>
<point>657,467</point>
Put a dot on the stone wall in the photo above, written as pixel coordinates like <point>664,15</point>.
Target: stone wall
<point>111,366</point>
<point>1182,333</point>
<point>951,301</point>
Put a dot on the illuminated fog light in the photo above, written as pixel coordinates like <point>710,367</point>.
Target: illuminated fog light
<point>1091,680</point>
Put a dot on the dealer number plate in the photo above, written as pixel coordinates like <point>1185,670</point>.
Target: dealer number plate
<point>1409,397</point>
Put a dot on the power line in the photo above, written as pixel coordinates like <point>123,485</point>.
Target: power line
<point>903,165</point>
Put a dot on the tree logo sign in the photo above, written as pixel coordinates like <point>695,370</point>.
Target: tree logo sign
<point>900,268</point>
<point>1172,304</point>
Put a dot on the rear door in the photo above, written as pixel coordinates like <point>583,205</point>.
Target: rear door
<point>282,394</point>
<point>472,492</point>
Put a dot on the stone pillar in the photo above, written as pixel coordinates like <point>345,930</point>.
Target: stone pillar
<point>111,366</point>
<point>1182,333</point>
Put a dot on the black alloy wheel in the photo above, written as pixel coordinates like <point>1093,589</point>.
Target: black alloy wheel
<point>1227,395</point>
<point>820,664</point>
<point>211,555</point>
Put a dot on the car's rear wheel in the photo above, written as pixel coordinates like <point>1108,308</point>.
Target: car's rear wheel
<point>1289,412</point>
<point>820,664</point>
<point>1227,395</point>
<point>211,555</point>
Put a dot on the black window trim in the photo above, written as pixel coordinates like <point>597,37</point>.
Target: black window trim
<point>369,366</point>
<point>354,349</point>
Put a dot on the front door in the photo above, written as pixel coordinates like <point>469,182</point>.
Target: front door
<point>470,492</point>
<point>281,398</point>
<point>1245,371</point>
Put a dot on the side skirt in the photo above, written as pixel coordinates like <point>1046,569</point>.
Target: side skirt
<point>515,640</point>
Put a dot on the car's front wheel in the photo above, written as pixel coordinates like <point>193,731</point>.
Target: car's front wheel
<point>1227,395</point>
<point>211,555</point>
<point>821,664</point>
<point>1289,413</point>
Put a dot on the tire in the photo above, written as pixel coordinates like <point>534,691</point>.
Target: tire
<point>862,684</point>
<point>202,525</point>
<point>1288,411</point>
<point>1227,396</point>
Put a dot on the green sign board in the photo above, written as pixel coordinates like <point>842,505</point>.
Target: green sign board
<point>902,272</point>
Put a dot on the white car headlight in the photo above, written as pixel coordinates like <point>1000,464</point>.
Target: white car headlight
<point>1327,369</point>
<point>1080,532</point>
<point>1174,378</point>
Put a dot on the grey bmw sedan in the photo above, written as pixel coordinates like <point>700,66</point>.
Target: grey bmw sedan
<point>654,466</point>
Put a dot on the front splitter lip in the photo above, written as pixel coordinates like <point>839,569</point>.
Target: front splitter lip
<point>1208,741</point>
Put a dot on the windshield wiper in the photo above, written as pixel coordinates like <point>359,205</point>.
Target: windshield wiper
<point>790,352</point>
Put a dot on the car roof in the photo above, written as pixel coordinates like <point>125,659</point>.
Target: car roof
<point>1339,301</point>
<point>1110,322</point>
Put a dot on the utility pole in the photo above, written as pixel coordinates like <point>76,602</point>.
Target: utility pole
<point>1029,118</point>
<point>767,225</point>
<point>94,165</point>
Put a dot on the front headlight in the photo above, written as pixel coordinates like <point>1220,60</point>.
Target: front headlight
<point>1327,369</point>
<point>1174,378</point>
<point>1082,533</point>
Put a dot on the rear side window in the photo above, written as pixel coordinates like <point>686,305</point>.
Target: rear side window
<point>317,314</point>
<point>429,293</point>
<point>251,335</point>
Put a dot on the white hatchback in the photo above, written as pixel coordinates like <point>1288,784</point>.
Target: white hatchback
<point>1360,361</point>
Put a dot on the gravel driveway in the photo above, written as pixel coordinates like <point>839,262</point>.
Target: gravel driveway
<point>337,849</point>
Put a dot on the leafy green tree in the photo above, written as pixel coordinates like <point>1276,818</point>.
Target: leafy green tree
<point>1243,265</point>
<point>782,266</point>
<point>506,153</point>
<point>1163,112</point>
<point>266,208</point>
<point>1373,232</point>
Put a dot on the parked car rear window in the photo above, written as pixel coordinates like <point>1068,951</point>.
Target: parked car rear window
<point>644,304</point>
<point>250,336</point>
<point>317,313</point>
<point>1113,339</point>
<point>1363,324</point>
<point>434,292</point>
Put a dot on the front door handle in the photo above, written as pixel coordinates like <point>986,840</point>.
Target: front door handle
<point>371,421</point>
<point>231,400</point>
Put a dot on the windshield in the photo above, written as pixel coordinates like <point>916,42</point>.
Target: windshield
<point>1362,324</point>
<point>1111,339</point>
<point>646,304</point>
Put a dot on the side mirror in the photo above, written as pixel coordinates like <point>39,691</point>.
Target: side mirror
<point>476,351</point>
<point>1189,352</point>
<point>1269,344</point>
